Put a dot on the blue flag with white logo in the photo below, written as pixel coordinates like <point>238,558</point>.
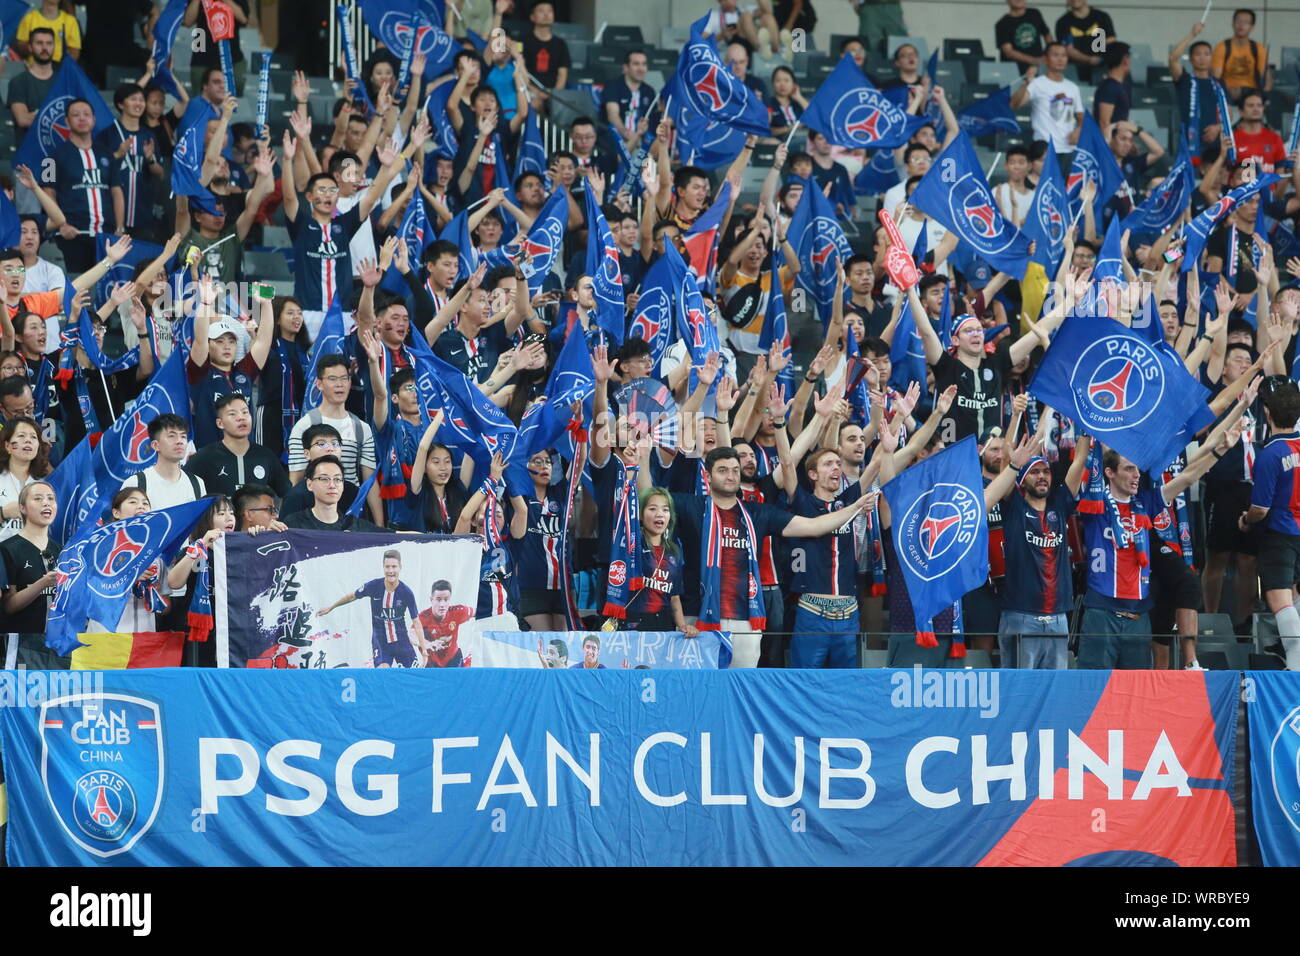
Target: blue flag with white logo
<point>1093,161</point>
<point>444,139</point>
<point>993,114</point>
<point>940,532</point>
<point>1110,260</point>
<point>187,161</point>
<point>849,111</point>
<point>329,341</point>
<point>572,380</point>
<point>531,157</point>
<point>1047,221</point>
<point>1116,386</point>
<point>76,491</point>
<point>469,411</point>
<point>98,569</point>
<point>1167,201</point>
<point>654,320</point>
<point>955,193</point>
<point>878,175</point>
<point>776,325</point>
<point>907,351</point>
<point>1199,229</point>
<point>124,269</point>
<point>605,271</point>
<point>124,448</point>
<point>819,242</point>
<point>50,124</point>
<point>693,323</point>
<point>713,90</point>
<point>417,233</point>
<point>396,23</point>
<point>702,139</point>
<point>544,241</point>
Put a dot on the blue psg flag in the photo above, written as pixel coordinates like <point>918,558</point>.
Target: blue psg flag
<point>85,337</point>
<point>457,231</point>
<point>1199,229</point>
<point>329,341</point>
<point>187,162</point>
<point>712,90</point>
<point>654,320</point>
<point>820,244</point>
<point>1119,388</point>
<point>878,175</point>
<point>955,193</point>
<point>444,139</point>
<point>544,241</point>
<point>1110,260</point>
<point>396,23</point>
<point>606,274</point>
<point>124,448</point>
<point>11,229</point>
<point>776,326</point>
<point>1093,160</point>
<point>98,569</point>
<point>849,111</point>
<point>417,233</point>
<point>693,323</point>
<point>1047,221</point>
<point>1167,201</point>
<point>933,113</point>
<point>703,140</point>
<point>50,124</point>
<point>531,157</point>
<point>124,269</point>
<point>76,491</point>
<point>993,114</point>
<point>572,380</point>
<point>940,533</point>
<point>470,411</point>
<point>907,351</point>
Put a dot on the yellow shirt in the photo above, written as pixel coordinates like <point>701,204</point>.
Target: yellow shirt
<point>65,27</point>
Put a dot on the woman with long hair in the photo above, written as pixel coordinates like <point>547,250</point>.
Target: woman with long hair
<point>786,103</point>
<point>433,473</point>
<point>658,605</point>
<point>284,377</point>
<point>24,457</point>
<point>147,595</point>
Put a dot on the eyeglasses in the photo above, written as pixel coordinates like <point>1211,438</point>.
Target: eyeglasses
<point>336,379</point>
<point>327,190</point>
<point>328,479</point>
<point>270,508</point>
<point>15,270</point>
<point>324,443</point>
<point>410,388</point>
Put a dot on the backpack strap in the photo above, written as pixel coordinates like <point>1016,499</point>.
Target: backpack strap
<point>142,483</point>
<point>194,485</point>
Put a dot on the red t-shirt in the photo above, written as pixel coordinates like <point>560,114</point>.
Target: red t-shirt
<point>1266,146</point>
<point>449,626</point>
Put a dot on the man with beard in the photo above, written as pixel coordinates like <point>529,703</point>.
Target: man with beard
<point>27,91</point>
<point>763,489</point>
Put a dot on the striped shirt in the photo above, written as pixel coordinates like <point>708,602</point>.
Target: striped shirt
<point>358,451</point>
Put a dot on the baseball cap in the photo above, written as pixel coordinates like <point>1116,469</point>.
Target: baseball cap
<point>222,326</point>
<point>979,274</point>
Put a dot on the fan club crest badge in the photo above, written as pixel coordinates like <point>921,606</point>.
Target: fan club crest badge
<point>939,528</point>
<point>102,767</point>
<point>1117,383</point>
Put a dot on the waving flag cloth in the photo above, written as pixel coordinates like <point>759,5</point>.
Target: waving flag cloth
<point>933,114</point>
<point>457,231</point>
<point>606,274</point>
<point>98,570</point>
<point>329,341</point>
<point>11,14</point>
<point>878,175</point>
<point>940,534</point>
<point>1118,388</point>
<point>693,323</point>
<point>187,161</point>
<point>655,310</point>
<point>849,111</point>
<point>1199,229</point>
<point>544,241</point>
<point>1047,222</point>
<point>1167,201</point>
<point>76,491</point>
<point>50,125</point>
<point>1093,160</point>
<point>993,114</point>
<point>1110,260</point>
<point>702,139</point>
<point>776,326</point>
<point>124,449</point>
<point>398,24</point>
<point>701,239</point>
<point>531,156</point>
<point>349,43</point>
<point>955,193</point>
<point>1225,117</point>
<point>164,39</point>
<point>417,233</point>
<point>470,411</point>
<point>445,144</point>
<point>820,245</point>
<point>907,351</point>
<point>713,90</point>
<point>11,229</point>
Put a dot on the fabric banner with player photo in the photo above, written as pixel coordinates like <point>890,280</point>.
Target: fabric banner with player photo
<point>599,650</point>
<point>317,599</point>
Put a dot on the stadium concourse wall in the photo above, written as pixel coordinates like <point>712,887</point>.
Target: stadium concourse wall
<point>664,767</point>
<point>1160,23</point>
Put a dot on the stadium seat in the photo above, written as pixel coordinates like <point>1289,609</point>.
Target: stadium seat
<point>568,32</point>
<point>963,49</point>
<point>665,60</point>
<point>872,659</point>
<point>1158,75</point>
<point>1266,662</point>
<point>578,52</point>
<point>922,49</point>
<point>1145,118</point>
<point>1140,57</point>
<point>1215,625</point>
<point>974,658</point>
<point>1290,61</point>
<point>1002,74</point>
<point>674,38</point>
<point>764,154</point>
<point>627,35</point>
<point>1213,660</point>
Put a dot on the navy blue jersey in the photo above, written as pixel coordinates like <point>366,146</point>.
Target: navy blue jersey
<point>207,384</point>
<point>1276,484</point>
<point>131,172</point>
<point>661,569</point>
<point>826,565</point>
<point>537,553</point>
<point>769,522</point>
<point>389,610</point>
<point>322,265</point>
<point>476,357</point>
<point>1037,553</point>
<point>498,588</point>
<point>81,187</point>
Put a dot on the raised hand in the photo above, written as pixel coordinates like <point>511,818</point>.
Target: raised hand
<point>388,152</point>
<point>288,146</point>
<point>777,360</point>
<point>1019,403</point>
<point>121,294</point>
<point>25,177</point>
<point>117,249</point>
<point>1223,297</point>
<point>300,124</point>
<point>531,356</point>
<point>945,400</point>
<point>498,466</point>
<point>388,251</point>
<point>905,403</point>
<point>301,86</point>
<point>1029,446</point>
<point>823,358</point>
<point>777,403</point>
<point>825,406</point>
<point>263,163</point>
<point>601,366</point>
<point>369,273</point>
<point>139,316</point>
<point>476,279</point>
<point>708,372</point>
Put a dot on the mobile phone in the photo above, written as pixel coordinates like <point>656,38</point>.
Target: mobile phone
<point>263,290</point>
<point>1173,254</point>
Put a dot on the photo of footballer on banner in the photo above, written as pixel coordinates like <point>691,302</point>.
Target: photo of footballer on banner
<point>317,599</point>
<point>597,650</point>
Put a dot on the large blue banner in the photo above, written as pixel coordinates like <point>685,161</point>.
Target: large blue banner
<point>1273,719</point>
<point>624,767</point>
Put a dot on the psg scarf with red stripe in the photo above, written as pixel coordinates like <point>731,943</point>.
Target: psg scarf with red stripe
<point>625,551</point>
<point>711,571</point>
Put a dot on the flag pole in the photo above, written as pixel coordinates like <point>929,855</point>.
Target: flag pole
<point>793,129</point>
<point>996,159</point>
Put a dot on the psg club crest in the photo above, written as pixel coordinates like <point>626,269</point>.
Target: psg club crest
<point>397,32</point>
<point>52,124</point>
<point>1117,383</point>
<point>826,234</point>
<point>112,557</point>
<point>1284,756</point>
<point>102,768</point>
<point>1084,166</point>
<point>940,527</point>
<point>866,115</point>
<point>712,90</point>
<point>972,208</point>
<point>1051,216</point>
<point>651,318</point>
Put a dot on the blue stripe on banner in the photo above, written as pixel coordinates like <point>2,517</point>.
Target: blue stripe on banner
<point>613,767</point>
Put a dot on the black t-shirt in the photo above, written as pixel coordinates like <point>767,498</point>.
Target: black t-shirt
<point>978,404</point>
<point>1081,33</point>
<point>298,498</point>
<point>306,521</point>
<point>207,52</point>
<point>545,58</point>
<point>1111,90</point>
<point>25,564</point>
<point>224,472</point>
<point>1217,244</point>
<point>1025,34</point>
